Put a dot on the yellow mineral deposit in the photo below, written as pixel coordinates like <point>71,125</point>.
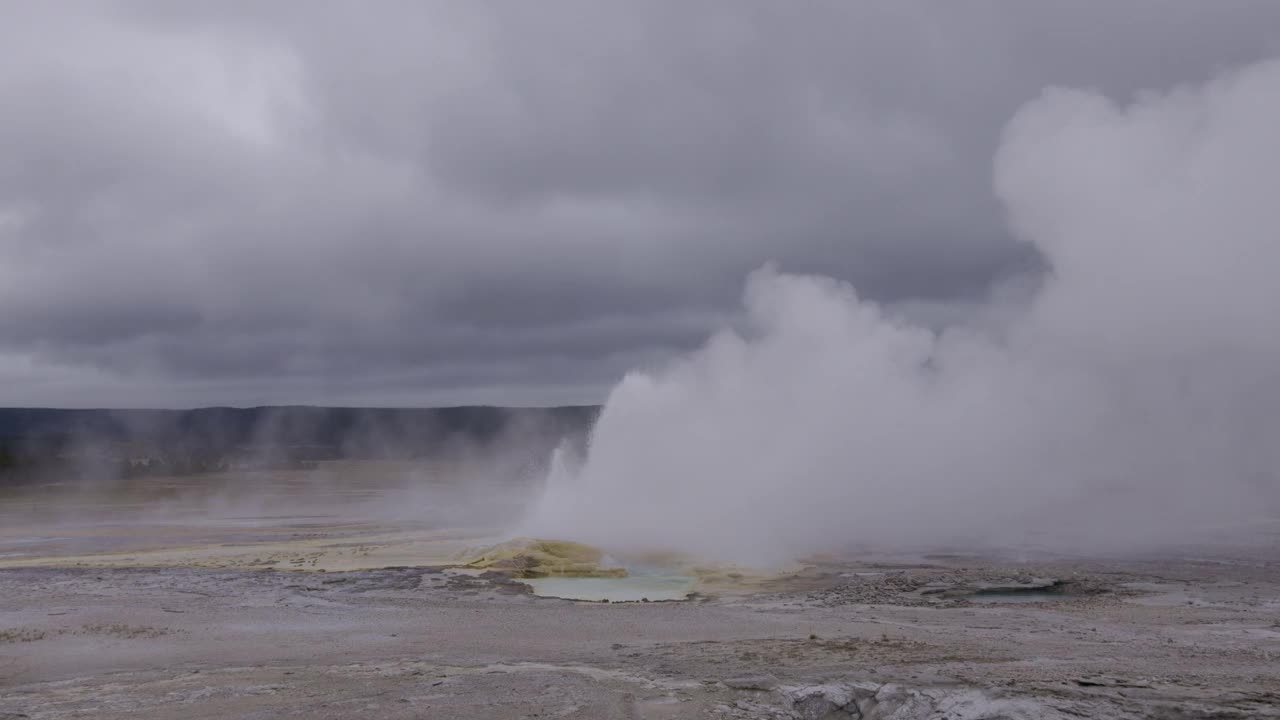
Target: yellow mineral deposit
<point>534,558</point>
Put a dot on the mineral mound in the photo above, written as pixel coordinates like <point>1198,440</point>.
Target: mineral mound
<point>534,558</point>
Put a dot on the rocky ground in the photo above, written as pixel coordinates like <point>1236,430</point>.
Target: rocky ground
<point>930,637</point>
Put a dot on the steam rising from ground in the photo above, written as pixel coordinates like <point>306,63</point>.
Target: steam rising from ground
<point>267,467</point>
<point>1134,398</point>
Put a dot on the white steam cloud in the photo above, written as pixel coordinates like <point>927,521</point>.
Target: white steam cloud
<point>1134,398</point>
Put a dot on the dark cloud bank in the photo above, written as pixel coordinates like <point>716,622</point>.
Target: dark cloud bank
<point>513,203</point>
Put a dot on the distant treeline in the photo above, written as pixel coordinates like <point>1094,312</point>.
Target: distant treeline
<point>39,442</point>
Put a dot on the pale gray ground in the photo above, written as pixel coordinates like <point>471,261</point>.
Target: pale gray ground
<point>1177,637</point>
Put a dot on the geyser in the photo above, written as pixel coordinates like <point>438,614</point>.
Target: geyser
<point>1135,398</point>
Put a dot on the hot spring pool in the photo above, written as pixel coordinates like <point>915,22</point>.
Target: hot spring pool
<point>626,589</point>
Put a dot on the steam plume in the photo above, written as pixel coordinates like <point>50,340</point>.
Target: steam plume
<point>1135,397</point>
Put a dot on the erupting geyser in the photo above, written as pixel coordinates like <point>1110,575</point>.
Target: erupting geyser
<point>1134,398</point>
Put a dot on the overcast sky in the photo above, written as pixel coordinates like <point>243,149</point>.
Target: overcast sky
<point>420,203</point>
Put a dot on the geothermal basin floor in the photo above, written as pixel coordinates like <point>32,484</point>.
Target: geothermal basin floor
<point>931,636</point>
<point>232,598</point>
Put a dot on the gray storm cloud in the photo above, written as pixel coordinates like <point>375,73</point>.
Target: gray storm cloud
<point>1134,398</point>
<point>230,202</point>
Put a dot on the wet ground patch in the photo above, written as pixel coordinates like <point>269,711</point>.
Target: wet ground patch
<point>960,587</point>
